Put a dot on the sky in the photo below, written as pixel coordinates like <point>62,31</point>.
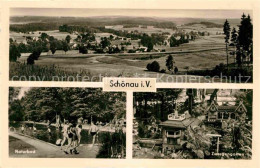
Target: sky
<point>166,13</point>
<point>22,92</point>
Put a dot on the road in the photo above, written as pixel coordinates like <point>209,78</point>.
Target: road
<point>46,55</point>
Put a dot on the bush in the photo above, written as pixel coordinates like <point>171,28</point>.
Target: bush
<point>142,130</point>
<point>30,60</point>
<point>148,66</point>
<point>113,145</point>
<point>83,50</point>
<point>163,71</point>
<point>231,73</point>
<point>131,51</point>
<point>14,53</point>
<point>154,66</point>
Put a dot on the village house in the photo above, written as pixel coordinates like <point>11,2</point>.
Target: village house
<point>219,113</point>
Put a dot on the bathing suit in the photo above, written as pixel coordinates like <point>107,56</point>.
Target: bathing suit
<point>93,133</point>
<point>70,135</point>
<point>74,135</point>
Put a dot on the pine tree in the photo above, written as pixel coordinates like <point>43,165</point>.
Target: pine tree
<point>234,41</point>
<point>169,62</point>
<point>234,36</point>
<point>245,37</point>
<point>226,29</point>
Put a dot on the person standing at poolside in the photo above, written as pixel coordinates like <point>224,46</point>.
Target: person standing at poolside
<point>79,129</point>
<point>22,129</point>
<point>34,127</point>
<point>65,133</point>
<point>49,130</point>
<point>70,136</point>
<point>75,138</point>
<point>93,131</point>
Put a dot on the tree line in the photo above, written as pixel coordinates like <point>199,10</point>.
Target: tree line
<point>242,40</point>
<point>40,104</point>
<point>44,43</point>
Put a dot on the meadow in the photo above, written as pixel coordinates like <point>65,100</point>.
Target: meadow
<point>204,53</point>
<point>23,72</point>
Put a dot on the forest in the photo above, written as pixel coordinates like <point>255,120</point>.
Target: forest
<point>69,103</point>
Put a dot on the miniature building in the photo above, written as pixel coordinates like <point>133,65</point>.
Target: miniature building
<point>173,130</point>
<point>219,113</point>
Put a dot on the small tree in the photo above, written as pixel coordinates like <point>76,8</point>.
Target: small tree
<point>65,46</point>
<point>154,66</point>
<point>53,47</point>
<point>37,52</point>
<point>104,42</point>
<point>169,62</point>
<point>83,49</point>
<point>176,70</point>
<point>226,29</point>
<point>14,53</point>
<point>68,38</point>
<point>173,42</point>
<point>150,46</point>
<point>44,36</point>
<point>30,60</point>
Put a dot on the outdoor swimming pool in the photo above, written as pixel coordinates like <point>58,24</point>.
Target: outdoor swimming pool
<point>42,133</point>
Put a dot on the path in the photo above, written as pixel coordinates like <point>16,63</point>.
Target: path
<point>46,150</point>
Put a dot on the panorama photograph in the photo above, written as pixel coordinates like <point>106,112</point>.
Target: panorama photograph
<point>66,123</point>
<point>193,124</point>
<point>68,44</point>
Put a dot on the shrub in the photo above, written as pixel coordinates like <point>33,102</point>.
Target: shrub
<point>142,130</point>
<point>163,71</point>
<point>113,145</point>
<point>30,60</point>
<point>154,66</point>
<point>14,53</point>
<point>148,66</point>
<point>83,50</point>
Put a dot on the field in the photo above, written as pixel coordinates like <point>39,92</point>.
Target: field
<point>19,37</point>
<point>204,53</point>
<point>148,30</point>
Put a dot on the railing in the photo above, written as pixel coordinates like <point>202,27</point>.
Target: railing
<point>172,116</point>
